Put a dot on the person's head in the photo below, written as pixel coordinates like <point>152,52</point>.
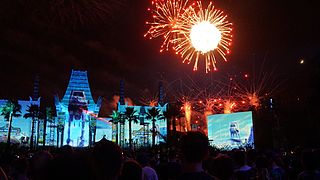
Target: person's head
<point>274,158</point>
<point>262,161</point>
<point>239,157</point>
<point>194,146</point>
<point>39,164</point>
<point>66,150</point>
<point>107,157</point>
<point>223,167</point>
<point>143,158</point>
<point>73,166</point>
<point>131,170</point>
<point>251,157</point>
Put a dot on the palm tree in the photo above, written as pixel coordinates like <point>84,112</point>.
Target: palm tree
<point>40,120</point>
<point>11,109</point>
<point>115,120</point>
<point>92,129</point>
<point>60,131</point>
<point>33,112</point>
<point>130,117</point>
<point>154,115</point>
<point>49,117</point>
<point>121,134</point>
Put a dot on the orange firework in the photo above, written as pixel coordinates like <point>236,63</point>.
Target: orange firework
<point>192,31</point>
<point>205,33</point>
<point>166,15</point>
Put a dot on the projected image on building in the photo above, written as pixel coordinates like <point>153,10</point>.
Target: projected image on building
<point>146,124</point>
<point>77,113</point>
<point>103,128</point>
<point>142,129</point>
<point>21,125</point>
<point>230,130</point>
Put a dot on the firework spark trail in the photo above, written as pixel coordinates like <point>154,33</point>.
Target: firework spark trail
<point>216,97</point>
<point>262,85</point>
<point>166,19</point>
<point>73,13</point>
<point>225,93</point>
<point>148,98</point>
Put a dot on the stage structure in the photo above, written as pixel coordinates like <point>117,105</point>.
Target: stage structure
<point>77,122</point>
<point>141,131</point>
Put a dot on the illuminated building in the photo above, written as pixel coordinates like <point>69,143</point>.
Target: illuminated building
<point>141,131</point>
<point>77,114</point>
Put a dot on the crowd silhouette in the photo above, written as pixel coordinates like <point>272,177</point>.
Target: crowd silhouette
<point>192,158</point>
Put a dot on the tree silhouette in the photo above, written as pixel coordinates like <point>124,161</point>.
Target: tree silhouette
<point>154,114</point>
<point>48,117</point>
<point>115,120</point>
<point>11,109</point>
<point>33,112</point>
<point>130,117</point>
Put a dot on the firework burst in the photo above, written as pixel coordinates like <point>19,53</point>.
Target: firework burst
<point>206,34</point>
<point>148,98</point>
<point>192,31</point>
<point>167,19</point>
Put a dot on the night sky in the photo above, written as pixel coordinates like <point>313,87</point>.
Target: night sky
<point>113,47</point>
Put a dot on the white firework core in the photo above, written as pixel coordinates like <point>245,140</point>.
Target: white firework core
<point>205,36</point>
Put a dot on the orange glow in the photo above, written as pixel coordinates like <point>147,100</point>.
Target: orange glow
<point>187,111</point>
<point>153,103</point>
<point>115,100</point>
<point>253,100</point>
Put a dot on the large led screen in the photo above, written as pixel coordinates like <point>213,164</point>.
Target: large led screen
<point>231,130</point>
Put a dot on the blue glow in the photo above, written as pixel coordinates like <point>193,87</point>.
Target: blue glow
<point>103,129</point>
<point>231,130</point>
<point>141,135</point>
<point>75,111</point>
<point>21,127</point>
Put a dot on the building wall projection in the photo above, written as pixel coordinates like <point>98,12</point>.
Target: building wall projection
<point>78,124</point>
<point>141,131</point>
<point>21,127</point>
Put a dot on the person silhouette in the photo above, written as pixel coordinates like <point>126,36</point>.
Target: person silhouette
<point>194,148</point>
